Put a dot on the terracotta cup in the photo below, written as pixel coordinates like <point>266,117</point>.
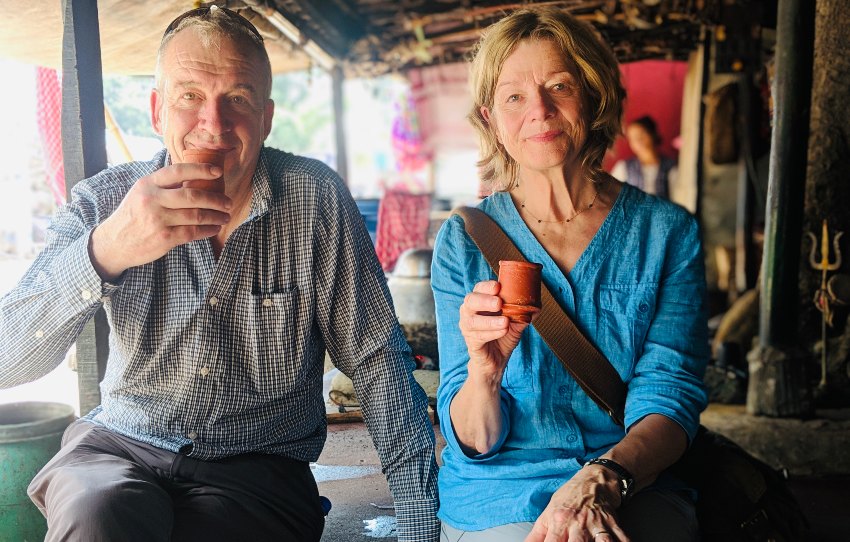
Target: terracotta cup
<point>204,156</point>
<point>520,291</point>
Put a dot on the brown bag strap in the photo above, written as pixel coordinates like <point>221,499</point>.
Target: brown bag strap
<point>593,372</point>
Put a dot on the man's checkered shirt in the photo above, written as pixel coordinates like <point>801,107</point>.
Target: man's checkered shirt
<point>226,357</point>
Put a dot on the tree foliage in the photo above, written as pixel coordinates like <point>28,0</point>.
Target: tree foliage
<point>303,118</point>
<point>128,99</point>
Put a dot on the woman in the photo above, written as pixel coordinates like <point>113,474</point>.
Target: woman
<point>649,170</point>
<point>628,270</point>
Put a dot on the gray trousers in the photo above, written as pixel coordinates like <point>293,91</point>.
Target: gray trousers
<point>104,487</point>
<point>653,515</point>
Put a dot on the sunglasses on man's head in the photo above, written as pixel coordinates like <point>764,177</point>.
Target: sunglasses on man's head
<point>203,12</point>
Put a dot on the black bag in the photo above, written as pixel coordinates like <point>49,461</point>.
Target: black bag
<point>741,499</point>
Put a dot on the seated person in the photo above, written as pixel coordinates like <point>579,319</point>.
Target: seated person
<point>523,440</point>
<point>648,170</point>
<point>221,306</point>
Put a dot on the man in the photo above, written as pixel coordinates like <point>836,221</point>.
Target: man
<point>221,308</point>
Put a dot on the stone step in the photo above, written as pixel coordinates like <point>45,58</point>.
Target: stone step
<point>815,447</point>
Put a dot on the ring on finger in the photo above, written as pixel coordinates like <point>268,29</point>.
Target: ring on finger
<point>599,532</point>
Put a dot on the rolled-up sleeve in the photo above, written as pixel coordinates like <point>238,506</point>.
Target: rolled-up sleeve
<point>668,376</point>
<point>454,273</point>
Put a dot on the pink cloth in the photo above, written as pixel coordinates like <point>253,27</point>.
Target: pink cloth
<point>402,224</point>
<point>49,114</point>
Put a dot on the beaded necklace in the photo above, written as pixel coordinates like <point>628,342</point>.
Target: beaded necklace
<point>564,221</point>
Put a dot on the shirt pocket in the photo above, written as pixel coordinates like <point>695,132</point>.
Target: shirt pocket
<point>625,314</point>
<point>274,368</point>
<point>522,372</point>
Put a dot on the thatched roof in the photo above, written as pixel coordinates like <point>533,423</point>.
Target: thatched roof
<point>384,35</point>
<point>365,36</point>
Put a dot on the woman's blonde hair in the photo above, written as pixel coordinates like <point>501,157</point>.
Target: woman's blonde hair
<point>598,74</point>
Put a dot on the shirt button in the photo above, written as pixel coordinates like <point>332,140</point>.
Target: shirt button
<point>267,302</point>
<point>213,301</point>
<point>643,307</point>
<point>205,371</point>
<point>39,334</point>
<point>192,435</point>
<point>562,390</point>
<point>572,438</point>
<point>85,294</point>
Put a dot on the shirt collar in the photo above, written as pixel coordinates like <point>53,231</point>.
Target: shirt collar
<point>261,187</point>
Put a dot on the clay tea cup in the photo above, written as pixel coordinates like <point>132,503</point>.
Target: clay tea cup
<point>204,156</point>
<point>520,291</point>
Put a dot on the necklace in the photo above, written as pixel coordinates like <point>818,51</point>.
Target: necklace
<point>564,221</point>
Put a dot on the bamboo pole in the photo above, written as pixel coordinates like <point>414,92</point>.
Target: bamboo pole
<point>115,130</point>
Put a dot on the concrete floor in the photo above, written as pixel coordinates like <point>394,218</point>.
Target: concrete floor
<point>349,474</point>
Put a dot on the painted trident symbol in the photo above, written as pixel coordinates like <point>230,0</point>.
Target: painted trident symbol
<point>821,296</point>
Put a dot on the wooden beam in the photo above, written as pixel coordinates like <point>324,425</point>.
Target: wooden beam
<point>706,75</point>
<point>337,78</point>
<point>746,266</point>
<point>327,23</point>
<point>84,154</point>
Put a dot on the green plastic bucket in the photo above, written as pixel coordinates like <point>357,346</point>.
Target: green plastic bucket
<point>30,434</point>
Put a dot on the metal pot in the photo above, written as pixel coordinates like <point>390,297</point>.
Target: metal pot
<point>410,288</point>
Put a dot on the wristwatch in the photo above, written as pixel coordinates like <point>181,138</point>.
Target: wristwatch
<point>626,480</point>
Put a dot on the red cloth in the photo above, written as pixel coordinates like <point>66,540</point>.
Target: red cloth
<point>402,224</point>
<point>49,116</point>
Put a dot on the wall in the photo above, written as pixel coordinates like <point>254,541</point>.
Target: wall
<point>654,88</point>
<point>442,100</point>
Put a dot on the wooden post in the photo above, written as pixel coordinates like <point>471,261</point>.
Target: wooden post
<point>706,75</point>
<point>746,268</point>
<point>777,385</point>
<point>84,154</point>
<point>338,77</point>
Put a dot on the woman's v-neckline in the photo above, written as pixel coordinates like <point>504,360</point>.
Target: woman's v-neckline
<point>599,245</point>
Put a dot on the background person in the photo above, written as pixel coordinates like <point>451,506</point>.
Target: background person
<point>521,435</point>
<point>221,307</point>
<point>648,170</point>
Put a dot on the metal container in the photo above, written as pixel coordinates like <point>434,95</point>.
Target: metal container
<point>410,287</point>
<point>30,434</point>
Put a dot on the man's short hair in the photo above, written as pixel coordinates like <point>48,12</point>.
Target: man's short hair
<point>212,25</point>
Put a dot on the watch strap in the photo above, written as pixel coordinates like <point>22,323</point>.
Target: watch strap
<point>626,480</point>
